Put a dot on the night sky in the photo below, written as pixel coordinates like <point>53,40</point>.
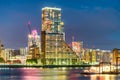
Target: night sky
<point>95,22</point>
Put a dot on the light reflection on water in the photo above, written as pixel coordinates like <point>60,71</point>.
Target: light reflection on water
<point>51,74</point>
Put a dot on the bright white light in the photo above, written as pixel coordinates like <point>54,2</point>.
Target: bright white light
<point>51,8</point>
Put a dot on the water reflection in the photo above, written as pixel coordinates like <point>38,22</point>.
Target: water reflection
<point>104,77</point>
<point>51,74</point>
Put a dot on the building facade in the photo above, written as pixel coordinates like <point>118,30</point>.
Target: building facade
<point>9,53</point>
<point>77,47</point>
<point>116,56</point>
<point>54,49</point>
<point>33,44</point>
<point>34,39</point>
<point>24,51</point>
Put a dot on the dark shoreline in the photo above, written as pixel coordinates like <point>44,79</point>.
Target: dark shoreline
<point>57,66</point>
<point>44,66</point>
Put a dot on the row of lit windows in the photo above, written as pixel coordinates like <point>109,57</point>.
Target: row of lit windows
<point>54,37</point>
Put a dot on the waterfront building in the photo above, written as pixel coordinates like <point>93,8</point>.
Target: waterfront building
<point>34,52</point>
<point>34,39</point>
<point>2,53</point>
<point>15,53</point>
<point>18,59</point>
<point>24,51</point>
<point>106,56</point>
<point>87,56</point>
<point>77,47</point>
<point>54,49</point>
<point>98,55</point>
<point>33,44</point>
<point>93,56</point>
<point>9,53</point>
<point>116,56</point>
<point>1,46</point>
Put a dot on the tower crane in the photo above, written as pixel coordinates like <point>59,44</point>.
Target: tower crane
<point>29,28</point>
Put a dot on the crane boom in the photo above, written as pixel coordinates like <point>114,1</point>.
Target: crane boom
<point>29,28</point>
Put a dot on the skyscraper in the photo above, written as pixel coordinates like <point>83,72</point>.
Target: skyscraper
<point>33,44</point>
<point>51,20</point>
<point>54,49</point>
<point>34,39</point>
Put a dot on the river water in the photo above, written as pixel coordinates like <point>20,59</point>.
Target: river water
<point>51,74</point>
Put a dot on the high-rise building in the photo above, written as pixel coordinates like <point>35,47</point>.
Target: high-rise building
<point>33,44</point>
<point>51,20</point>
<point>34,39</point>
<point>54,49</point>
<point>116,56</point>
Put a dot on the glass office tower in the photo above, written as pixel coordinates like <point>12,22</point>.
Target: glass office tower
<point>54,49</point>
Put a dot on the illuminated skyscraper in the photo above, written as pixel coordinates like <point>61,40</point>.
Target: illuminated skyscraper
<point>51,20</point>
<point>33,44</point>
<point>34,39</point>
<point>54,49</point>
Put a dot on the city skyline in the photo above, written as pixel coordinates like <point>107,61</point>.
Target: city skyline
<point>94,23</point>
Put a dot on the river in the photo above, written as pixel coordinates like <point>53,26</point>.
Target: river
<point>51,74</point>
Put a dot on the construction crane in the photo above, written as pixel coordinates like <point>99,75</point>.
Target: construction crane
<point>31,33</point>
<point>29,28</point>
